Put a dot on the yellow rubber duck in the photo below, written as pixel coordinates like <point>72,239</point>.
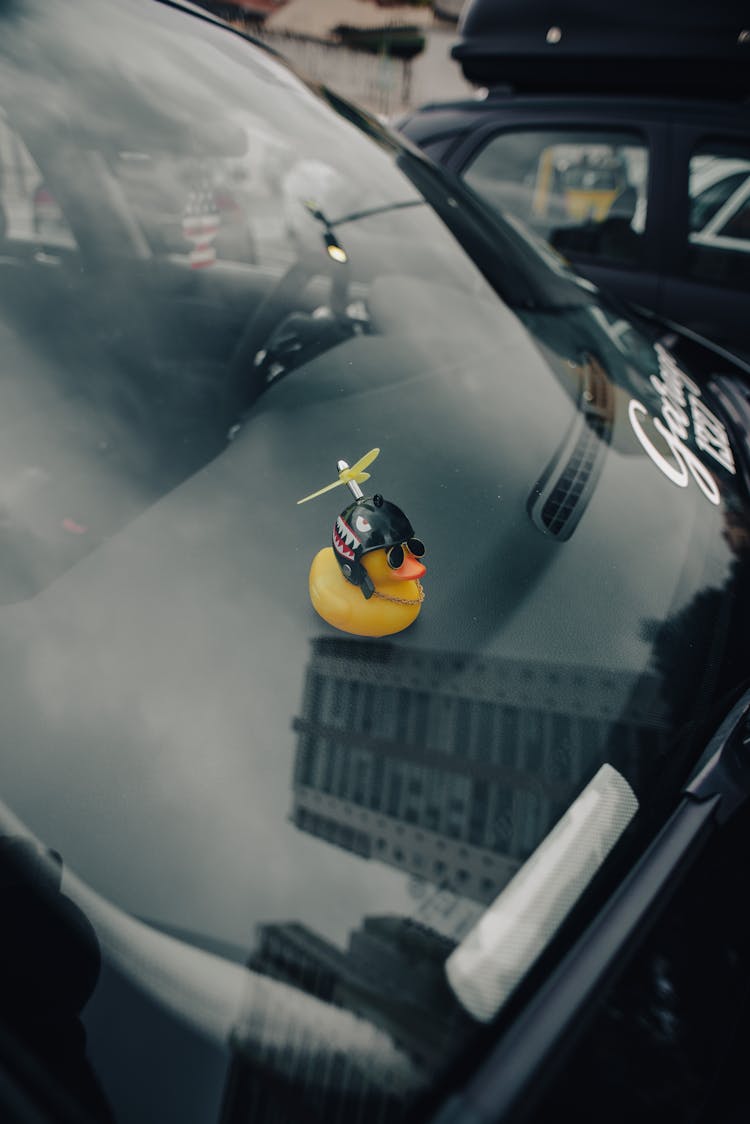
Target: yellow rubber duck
<point>367,582</point>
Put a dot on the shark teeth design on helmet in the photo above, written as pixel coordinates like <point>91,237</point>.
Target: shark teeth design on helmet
<point>344,539</point>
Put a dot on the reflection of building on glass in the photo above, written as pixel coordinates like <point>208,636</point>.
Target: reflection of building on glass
<point>391,975</point>
<point>450,767</point>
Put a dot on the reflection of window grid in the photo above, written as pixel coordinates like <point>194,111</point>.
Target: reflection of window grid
<point>462,805</point>
<point>393,803</point>
<point>462,728</point>
<point>402,713</point>
<point>420,705</point>
<point>344,775</point>
<point>484,725</point>
<point>361,778</point>
<point>532,738</point>
<point>592,734</point>
<point>531,821</point>
<point>479,811</point>
<point>377,781</point>
<point>560,751</point>
<point>508,737</point>
<point>328,757</point>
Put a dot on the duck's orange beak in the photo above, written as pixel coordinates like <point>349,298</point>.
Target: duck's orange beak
<point>410,569</point>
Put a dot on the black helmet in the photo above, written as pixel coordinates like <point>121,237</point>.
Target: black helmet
<point>370,523</point>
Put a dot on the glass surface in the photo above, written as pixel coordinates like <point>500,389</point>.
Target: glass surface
<point>583,190</point>
<point>719,239</point>
<point>239,845</point>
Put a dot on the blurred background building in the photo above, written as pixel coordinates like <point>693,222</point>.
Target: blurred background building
<point>386,56</point>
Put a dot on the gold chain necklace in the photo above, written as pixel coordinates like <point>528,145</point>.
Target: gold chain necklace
<point>402,600</point>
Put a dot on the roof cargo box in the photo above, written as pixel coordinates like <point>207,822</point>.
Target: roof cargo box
<point>683,47</point>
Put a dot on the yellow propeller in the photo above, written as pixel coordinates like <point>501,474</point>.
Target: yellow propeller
<point>353,475</point>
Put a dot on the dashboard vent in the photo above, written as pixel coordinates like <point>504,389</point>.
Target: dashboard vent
<point>561,495</point>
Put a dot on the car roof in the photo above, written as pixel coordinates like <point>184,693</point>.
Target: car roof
<point>448,116</point>
<point>675,46</point>
<point>488,98</point>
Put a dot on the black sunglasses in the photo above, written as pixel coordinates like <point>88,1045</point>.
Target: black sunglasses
<point>395,555</point>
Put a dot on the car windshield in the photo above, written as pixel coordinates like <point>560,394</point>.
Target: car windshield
<point>269,822</point>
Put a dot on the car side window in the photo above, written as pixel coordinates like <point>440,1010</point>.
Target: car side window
<point>719,235</point>
<point>583,190</point>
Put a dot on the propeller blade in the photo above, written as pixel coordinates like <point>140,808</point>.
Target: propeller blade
<point>363,462</point>
<point>355,472</point>
<point>327,488</point>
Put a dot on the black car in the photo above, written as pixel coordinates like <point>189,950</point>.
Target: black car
<point>291,829</point>
<point>623,138</point>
